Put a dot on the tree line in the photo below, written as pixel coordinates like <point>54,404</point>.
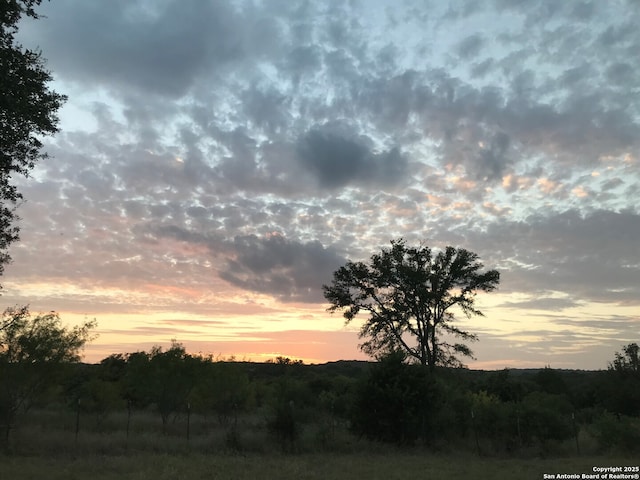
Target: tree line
<point>387,401</point>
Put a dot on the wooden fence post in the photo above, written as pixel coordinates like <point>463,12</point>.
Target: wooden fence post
<point>575,431</point>
<point>475,431</point>
<point>77,420</point>
<point>188,420</point>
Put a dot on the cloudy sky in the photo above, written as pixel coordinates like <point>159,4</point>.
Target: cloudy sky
<point>218,160</point>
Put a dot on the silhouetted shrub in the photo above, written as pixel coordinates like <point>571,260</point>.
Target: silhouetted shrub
<point>617,431</point>
<point>396,402</point>
<point>546,416</point>
<point>284,427</point>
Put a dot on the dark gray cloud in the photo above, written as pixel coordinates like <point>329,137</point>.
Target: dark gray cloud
<point>618,34</point>
<point>150,46</point>
<point>549,303</point>
<point>493,159</point>
<point>611,323</point>
<point>302,61</point>
<point>390,101</point>
<point>290,270</point>
<point>268,110</point>
<point>337,159</point>
<point>588,257</point>
<point>470,47</point>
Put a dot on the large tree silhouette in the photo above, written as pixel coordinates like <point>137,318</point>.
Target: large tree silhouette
<point>409,294</point>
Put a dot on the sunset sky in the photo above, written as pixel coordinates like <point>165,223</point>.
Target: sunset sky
<point>218,160</point>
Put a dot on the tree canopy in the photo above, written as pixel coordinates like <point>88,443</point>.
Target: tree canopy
<point>27,112</point>
<point>32,349</point>
<point>409,294</point>
<point>628,360</point>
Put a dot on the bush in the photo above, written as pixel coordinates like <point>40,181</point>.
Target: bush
<point>496,420</point>
<point>617,432</point>
<point>619,392</point>
<point>546,417</point>
<point>284,426</point>
<point>395,403</point>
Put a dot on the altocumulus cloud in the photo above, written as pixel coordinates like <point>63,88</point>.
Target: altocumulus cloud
<point>225,147</point>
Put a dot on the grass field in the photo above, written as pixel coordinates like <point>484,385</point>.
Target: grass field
<point>45,446</point>
<point>300,467</point>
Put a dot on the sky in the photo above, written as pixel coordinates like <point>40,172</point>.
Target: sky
<point>219,160</point>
